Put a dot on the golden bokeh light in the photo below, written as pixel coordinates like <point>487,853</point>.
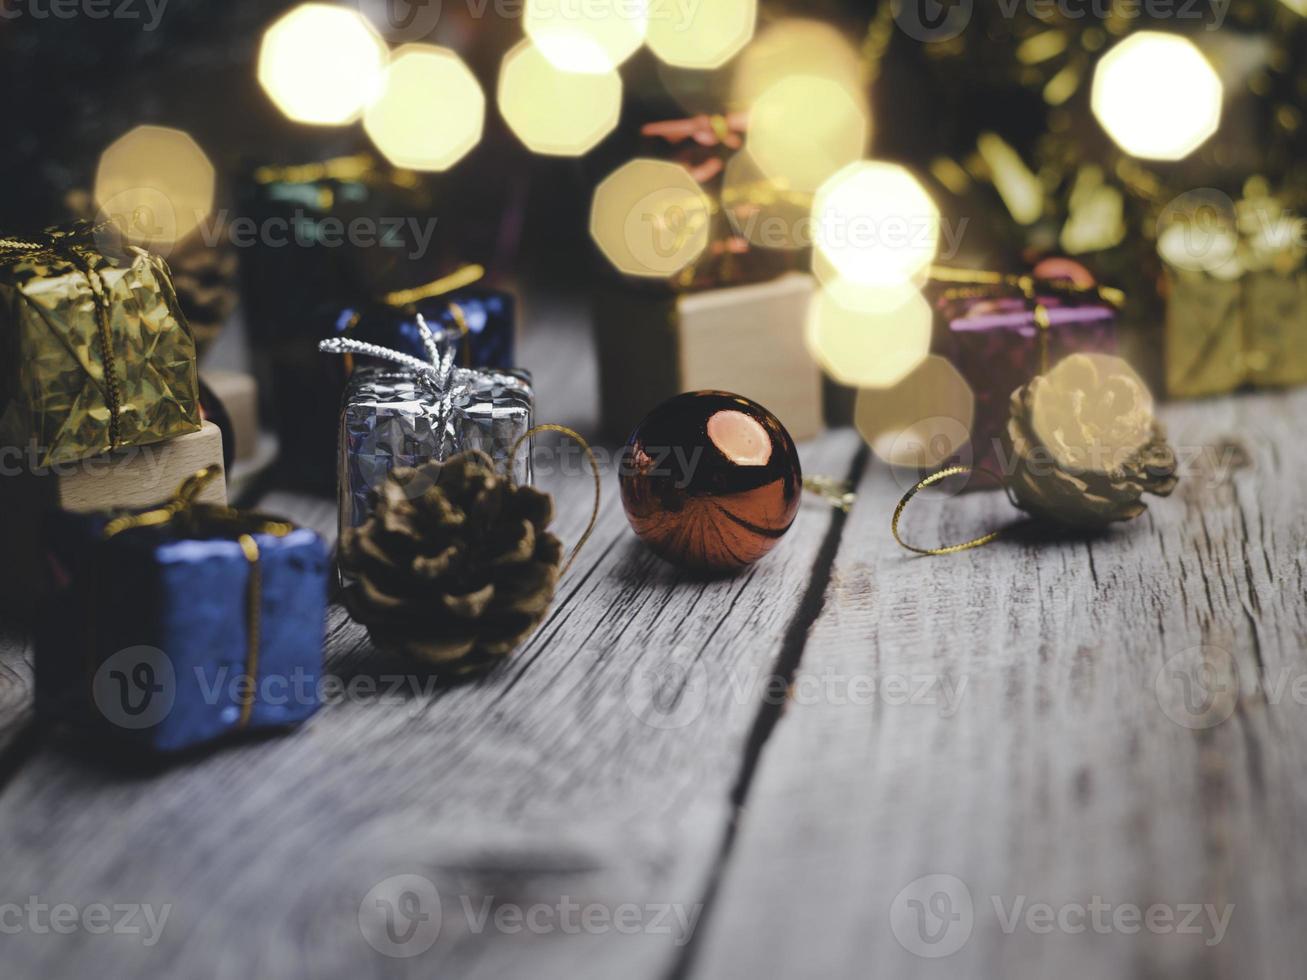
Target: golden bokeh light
<point>322,64</point>
<point>875,225</point>
<point>804,129</point>
<point>155,184</point>
<point>868,348</point>
<point>868,298</point>
<point>586,35</point>
<point>922,421</point>
<point>795,46</point>
<point>431,110</point>
<point>704,34</point>
<point>1020,188</point>
<point>650,218</point>
<point>1157,96</point>
<point>556,112</point>
<point>762,211</point>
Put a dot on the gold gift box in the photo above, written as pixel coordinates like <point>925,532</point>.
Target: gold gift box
<point>97,354</point>
<point>1243,319</point>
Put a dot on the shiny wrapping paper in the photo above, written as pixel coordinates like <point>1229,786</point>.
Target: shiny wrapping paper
<point>393,418</point>
<point>57,387</point>
<point>995,345</point>
<point>1225,333</point>
<point>188,599</point>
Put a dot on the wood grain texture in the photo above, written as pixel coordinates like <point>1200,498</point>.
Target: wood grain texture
<point>1027,737</point>
<point>560,777</point>
<point>787,749</point>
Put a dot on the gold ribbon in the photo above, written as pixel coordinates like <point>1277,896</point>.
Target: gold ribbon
<point>594,468</point>
<point>454,281</point>
<point>359,168</point>
<point>930,481</point>
<point>193,516</point>
<point>995,285</point>
<point>72,246</point>
<point>457,279</point>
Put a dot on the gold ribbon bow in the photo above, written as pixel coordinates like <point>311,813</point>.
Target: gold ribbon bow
<point>408,298</point>
<point>979,284</point>
<point>194,517</point>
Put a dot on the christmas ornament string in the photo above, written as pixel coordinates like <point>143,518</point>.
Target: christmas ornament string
<point>1083,447</point>
<point>594,468</point>
<point>930,481</point>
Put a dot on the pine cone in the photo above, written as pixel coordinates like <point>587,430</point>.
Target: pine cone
<point>205,279</point>
<point>1084,445</point>
<point>455,566</point>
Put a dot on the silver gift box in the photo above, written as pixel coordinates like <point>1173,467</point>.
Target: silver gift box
<point>395,418</point>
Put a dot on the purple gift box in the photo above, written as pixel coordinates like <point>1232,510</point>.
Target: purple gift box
<point>995,345</point>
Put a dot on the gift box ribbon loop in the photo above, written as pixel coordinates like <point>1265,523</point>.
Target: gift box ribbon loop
<point>980,284</point>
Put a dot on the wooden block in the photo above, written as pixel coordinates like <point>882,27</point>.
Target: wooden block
<point>239,394</point>
<point>133,477</point>
<point>744,339</point>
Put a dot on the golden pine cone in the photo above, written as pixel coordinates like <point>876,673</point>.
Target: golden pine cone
<point>455,566</point>
<point>1083,445</point>
<point>205,279</point>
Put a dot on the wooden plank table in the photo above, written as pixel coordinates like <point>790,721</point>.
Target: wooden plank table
<point>1081,757</point>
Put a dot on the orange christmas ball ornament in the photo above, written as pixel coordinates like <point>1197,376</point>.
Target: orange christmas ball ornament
<point>710,480</point>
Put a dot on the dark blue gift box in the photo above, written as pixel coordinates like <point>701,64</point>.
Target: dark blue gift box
<point>490,315</point>
<point>148,632</point>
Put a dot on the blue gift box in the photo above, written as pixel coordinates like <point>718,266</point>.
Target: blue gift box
<point>170,637</point>
<point>490,316</point>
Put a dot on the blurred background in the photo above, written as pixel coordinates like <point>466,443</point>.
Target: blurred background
<point>480,130</point>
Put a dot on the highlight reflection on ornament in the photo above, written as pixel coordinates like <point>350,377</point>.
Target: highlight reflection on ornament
<point>710,480</point>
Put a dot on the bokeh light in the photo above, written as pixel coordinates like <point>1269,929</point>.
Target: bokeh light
<point>804,129</point>
<point>704,34</point>
<point>1019,187</point>
<point>920,422</point>
<point>155,184</point>
<point>875,224</point>
<point>593,36</point>
<point>795,46</point>
<point>322,64</point>
<point>764,212</point>
<point>1157,96</point>
<point>431,111</point>
<point>553,111</point>
<point>650,218</point>
<point>1091,412</point>
<point>868,348</point>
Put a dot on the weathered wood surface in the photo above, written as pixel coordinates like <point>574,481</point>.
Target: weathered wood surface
<point>1054,737</point>
<point>634,754</point>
